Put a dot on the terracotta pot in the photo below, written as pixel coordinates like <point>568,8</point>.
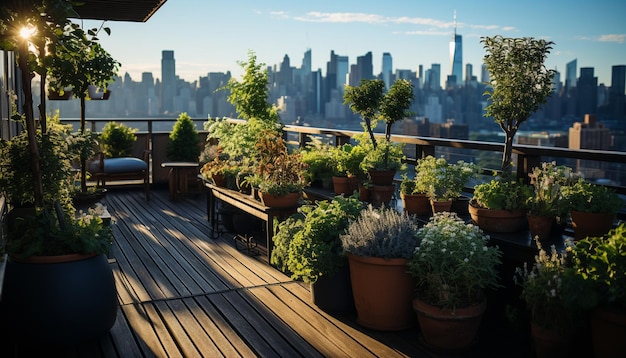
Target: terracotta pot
<point>59,300</point>
<point>219,180</point>
<point>333,293</point>
<point>282,201</point>
<point>441,205</point>
<point>382,290</point>
<point>364,193</point>
<point>608,329</point>
<point>445,331</point>
<point>341,185</point>
<point>382,177</point>
<point>459,206</point>
<point>416,204</point>
<point>591,224</point>
<point>381,194</point>
<point>498,220</point>
<point>549,343</point>
<point>540,226</point>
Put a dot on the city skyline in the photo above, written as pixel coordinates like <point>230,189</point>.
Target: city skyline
<point>207,37</point>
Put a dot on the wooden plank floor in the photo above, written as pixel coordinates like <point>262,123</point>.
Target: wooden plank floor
<point>184,294</point>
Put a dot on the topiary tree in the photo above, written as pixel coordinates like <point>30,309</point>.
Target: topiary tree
<point>117,139</point>
<point>519,83</point>
<point>183,143</point>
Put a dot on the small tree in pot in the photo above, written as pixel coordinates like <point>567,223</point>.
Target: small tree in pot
<point>519,83</point>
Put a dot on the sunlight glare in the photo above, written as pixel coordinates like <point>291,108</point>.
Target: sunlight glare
<point>27,32</point>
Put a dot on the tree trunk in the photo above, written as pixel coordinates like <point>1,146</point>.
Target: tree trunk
<point>83,169</point>
<point>27,77</point>
<point>507,154</point>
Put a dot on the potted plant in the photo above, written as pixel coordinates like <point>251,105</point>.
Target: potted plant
<point>347,159</point>
<point>183,144</point>
<point>500,205</point>
<point>369,101</point>
<point>378,245</point>
<point>547,288</point>
<point>545,205</point>
<point>512,100</point>
<point>592,208</point>
<point>600,262</point>
<point>117,139</point>
<point>307,245</point>
<point>452,266</point>
<point>319,158</point>
<point>414,198</point>
<point>443,181</point>
<point>57,258</point>
<point>280,175</point>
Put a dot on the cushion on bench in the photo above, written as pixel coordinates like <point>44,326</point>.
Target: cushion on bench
<point>119,165</point>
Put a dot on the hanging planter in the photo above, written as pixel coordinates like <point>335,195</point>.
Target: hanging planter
<point>95,94</point>
<point>57,96</point>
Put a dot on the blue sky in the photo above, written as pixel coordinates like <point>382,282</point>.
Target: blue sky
<point>211,36</point>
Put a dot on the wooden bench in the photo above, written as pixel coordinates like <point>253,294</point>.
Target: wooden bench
<point>98,170</point>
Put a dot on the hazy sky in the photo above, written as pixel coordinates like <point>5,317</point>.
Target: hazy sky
<point>211,36</point>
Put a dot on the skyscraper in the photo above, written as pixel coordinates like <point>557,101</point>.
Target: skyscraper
<point>570,74</point>
<point>168,81</point>
<point>456,55</point>
<point>617,93</point>
<point>387,69</point>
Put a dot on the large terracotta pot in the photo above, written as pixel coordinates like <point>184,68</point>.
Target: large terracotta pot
<point>416,204</point>
<point>381,194</point>
<point>333,293</point>
<point>441,205</point>
<point>540,226</point>
<point>590,224</point>
<point>442,330</point>
<point>549,343</point>
<point>608,328</point>
<point>382,177</point>
<point>58,300</point>
<point>282,201</point>
<point>342,185</point>
<point>498,220</point>
<point>382,290</point>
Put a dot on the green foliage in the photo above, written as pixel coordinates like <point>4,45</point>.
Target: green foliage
<point>117,139</point>
<point>519,83</point>
<point>184,141</point>
<point>547,289</point>
<point>308,245</point>
<point>365,100</point>
<point>381,232</point>
<point>453,263</point>
<point>348,159</point>
<point>591,198</point>
<point>394,105</point>
<point>41,234</point>
<point>601,263</point>
<point>407,185</point>
<point>318,156</point>
<point>250,95</point>
<point>16,174</point>
<point>442,180</point>
<point>501,194</point>
<point>386,155</point>
<point>78,61</point>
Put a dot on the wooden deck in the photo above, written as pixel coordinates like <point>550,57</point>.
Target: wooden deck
<point>183,294</point>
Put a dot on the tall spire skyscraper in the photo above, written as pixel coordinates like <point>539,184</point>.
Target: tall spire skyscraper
<point>168,81</point>
<point>456,55</point>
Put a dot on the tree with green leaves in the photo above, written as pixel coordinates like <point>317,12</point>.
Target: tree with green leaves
<point>365,100</point>
<point>519,83</point>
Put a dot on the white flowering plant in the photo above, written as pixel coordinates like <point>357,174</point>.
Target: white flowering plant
<point>453,264</point>
<point>547,287</point>
<point>442,180</point>
<point>547,181</point>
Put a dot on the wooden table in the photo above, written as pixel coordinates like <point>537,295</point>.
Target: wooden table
<point>178,177</point>
<point>247,204</point>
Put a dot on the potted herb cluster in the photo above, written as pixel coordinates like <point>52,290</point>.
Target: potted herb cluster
<point>307,245</point>
<point>453,265</point>
<point>379,244</point>
<point>443,181</point>
<point>500,205</point>
<point>414,198</point>
<point>547,290</point>
<point>592,208</point>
